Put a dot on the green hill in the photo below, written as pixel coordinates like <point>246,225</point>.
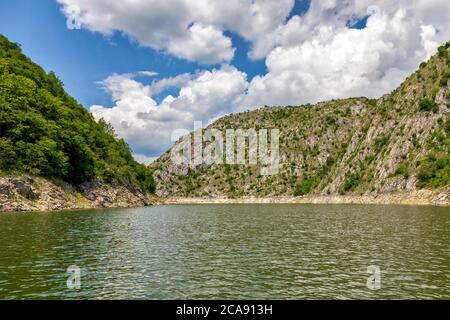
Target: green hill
<point>45,132</point>
<point>352,146</point>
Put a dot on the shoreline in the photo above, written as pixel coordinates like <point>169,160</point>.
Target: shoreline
<point>28,193</point>
<point>413,198</point>
<point>35,194</point>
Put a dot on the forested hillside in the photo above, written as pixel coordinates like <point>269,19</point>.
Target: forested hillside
<point>352,146</point>
<point>45,132</point>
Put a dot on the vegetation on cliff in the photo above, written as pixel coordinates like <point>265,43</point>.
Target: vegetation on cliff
<point>45,132</point>
<point>400,141</point>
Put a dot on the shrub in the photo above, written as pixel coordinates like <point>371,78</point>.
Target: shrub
<point>351,183</point>
<point>427,105</point>
<point>381,142</point>
<point>306,186</point>
<point>442,51</point>
<point>372,102</point>
<point>444,79</point>
<point>402,170</point>
<point>331,121</point>
<point>434,171</point>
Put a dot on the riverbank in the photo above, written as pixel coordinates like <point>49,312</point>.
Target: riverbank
<point>417,197</point>
<point>30,193</point>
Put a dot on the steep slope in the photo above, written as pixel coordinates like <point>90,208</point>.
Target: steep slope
<point>44,132</point>
<point>352,146</point>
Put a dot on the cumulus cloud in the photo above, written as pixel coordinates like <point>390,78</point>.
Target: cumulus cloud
<point>312,57</point>
<point>180,80</point>
<point>204,43</point>
<point>319,57</point>
<point>148,126</point>
<point>189,29</point>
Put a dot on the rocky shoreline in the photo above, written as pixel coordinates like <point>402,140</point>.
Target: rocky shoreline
<point>416,197</point>
<point>28,193</point>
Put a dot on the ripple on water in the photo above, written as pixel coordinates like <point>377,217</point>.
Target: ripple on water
<point>228,252</point>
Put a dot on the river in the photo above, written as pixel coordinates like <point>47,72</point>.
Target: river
<point>256,251</point>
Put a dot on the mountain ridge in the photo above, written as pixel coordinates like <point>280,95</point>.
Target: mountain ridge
<point>354,146</point>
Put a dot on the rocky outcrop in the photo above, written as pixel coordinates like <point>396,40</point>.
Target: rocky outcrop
<point>28,193</point>
<point>106,196</point>
<point>357,147</point>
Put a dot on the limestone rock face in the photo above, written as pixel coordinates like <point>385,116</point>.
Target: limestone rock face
<point>107,196</point>
<point>352,146</point>
<point>28,193</point>
<point>24,188</point>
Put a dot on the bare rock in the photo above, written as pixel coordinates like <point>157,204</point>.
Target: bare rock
<point>24,187</point>
<point>107,196</point>
<point>19,194</point>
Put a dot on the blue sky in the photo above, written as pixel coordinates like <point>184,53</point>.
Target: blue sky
<point>82,58</point>
<point>215,58</point>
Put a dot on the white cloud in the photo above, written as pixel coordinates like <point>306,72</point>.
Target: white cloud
<point>204,43</point>
<point>147,126</point>
<point>255,20</point>
<point>147,73</point>
<point>177,81</point>
<point>309,58</point>
<point>189,29</point>
<point>318,57</point>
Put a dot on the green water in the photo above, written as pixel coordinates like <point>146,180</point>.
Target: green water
<point>228,251</point>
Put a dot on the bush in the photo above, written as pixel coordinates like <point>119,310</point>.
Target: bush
<point>372,102</point>
<point>442,52</point>
<point>427,105</point>
<point>402,170</point>
<point>444,79</point>
<point>351,183</point>
<point>381,142</point>
<point>306,186</point>
<point>434,172</point>
<point>330,120</point>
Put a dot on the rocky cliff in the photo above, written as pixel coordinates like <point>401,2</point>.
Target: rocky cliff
<point>28,193</point>
<point>395,144</point>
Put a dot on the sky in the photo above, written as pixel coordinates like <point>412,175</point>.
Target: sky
<point>150,67</point>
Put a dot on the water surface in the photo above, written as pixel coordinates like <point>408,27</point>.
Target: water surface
<point>228,252</point>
